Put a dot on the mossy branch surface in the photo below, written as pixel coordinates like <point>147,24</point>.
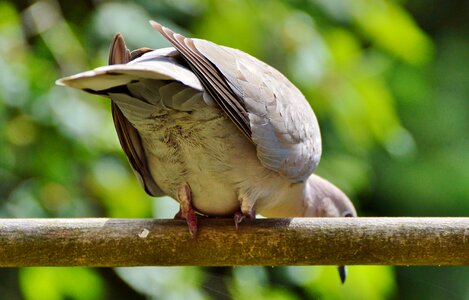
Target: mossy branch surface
<point>271,242</point>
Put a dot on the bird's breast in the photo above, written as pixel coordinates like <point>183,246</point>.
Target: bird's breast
<point>202,148</point>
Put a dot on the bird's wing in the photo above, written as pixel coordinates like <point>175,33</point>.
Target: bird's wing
<point>140,83</point>
<point>129,137</point>
<point>131,143</point>
<point>264,105</point>
<point>97,82</point>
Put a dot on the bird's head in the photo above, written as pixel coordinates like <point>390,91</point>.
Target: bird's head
<point>327,199</point>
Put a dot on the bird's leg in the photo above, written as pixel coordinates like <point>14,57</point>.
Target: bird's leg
<point>186,211</point>
<point>247,210</point>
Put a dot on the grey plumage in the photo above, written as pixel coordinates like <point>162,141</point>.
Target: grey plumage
<point>216,129</point>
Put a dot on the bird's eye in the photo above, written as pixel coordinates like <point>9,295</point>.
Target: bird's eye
<point>347,214</point>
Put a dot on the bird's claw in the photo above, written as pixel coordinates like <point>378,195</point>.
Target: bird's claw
<point>240,216</point>
<point>191,220</point>
<point>186,211</point>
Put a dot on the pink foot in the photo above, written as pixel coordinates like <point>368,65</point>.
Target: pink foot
<point>191,220</point>
<point>239,216</point>
<point>186,211</point>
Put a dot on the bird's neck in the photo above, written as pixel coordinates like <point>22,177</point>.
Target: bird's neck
<point>286,202</point>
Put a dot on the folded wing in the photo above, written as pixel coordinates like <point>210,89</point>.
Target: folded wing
<point>136,81</point>
<point>264,105</point>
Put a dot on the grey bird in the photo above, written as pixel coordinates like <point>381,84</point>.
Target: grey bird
<point>218,130</point>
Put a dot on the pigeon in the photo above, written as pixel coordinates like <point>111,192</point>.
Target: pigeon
<point>221,132</point>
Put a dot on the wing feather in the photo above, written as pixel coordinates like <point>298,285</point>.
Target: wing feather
<point>211,79</point>
<point>129,137</point>
<point>270,111</point>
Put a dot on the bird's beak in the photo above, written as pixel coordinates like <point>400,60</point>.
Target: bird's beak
<point>342,273</point>
<point>343,269</point>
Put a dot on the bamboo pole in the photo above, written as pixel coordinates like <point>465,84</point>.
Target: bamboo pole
<point>271,242</point>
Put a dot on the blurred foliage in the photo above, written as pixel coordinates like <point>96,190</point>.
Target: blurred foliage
<point>35,284</point>
<point>388,80</point>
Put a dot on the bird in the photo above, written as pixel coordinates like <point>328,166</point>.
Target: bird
<point>221,132</point>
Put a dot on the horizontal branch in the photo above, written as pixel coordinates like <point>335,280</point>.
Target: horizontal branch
<point>271,242</point>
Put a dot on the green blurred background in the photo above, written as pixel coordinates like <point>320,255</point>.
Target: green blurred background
<point>389,81</point>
